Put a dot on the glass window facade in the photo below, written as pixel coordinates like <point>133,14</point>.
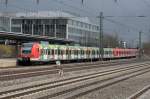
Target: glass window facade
<point>85,34</point>
<point>5,24</point>
<point>44,27</point>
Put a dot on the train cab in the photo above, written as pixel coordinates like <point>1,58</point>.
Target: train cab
<point>29,52</point>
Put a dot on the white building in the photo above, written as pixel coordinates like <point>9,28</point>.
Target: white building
<point>55,24</point>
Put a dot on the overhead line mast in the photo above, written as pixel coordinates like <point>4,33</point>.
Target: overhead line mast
<point>101,50</point>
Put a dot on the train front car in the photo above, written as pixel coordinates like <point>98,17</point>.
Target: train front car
<point>28,52</point>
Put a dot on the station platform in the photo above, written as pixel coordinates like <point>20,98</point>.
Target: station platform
<point>7,62</point>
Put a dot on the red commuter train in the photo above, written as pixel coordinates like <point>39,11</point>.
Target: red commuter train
<point>44,52</point>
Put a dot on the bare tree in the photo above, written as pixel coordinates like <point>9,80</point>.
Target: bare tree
<point>111,41</point>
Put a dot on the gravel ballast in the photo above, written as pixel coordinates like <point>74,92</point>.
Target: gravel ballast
<point>121,90</point>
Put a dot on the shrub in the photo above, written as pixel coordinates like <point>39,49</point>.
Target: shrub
<point>7,51</point>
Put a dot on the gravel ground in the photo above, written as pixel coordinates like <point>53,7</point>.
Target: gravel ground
<point>55,76</point>
<point>120,90</point>
<point>146,95</point>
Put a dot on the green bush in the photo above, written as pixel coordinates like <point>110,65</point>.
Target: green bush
<point>7,51</point>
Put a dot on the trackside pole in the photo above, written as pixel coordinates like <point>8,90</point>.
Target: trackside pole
<point>101,52</point>
<point>60,72</point>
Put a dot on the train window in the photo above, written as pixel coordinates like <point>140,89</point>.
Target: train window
<point>105,52</point>
<point>87,52</point>
<point>45,51</point>
<point>63,52</point>
<point>117,52</point>
<point>59,52</point>
<point>74,52</point>
<point>70,52</point>
<point>26,51</point>
<point>56,52</point>
<point>97,52</point>
<point>77,51</point>
<point>108,52</point>
<point>93,52</point>
<point>48,51</point>
<point>42,51</point>
<point>52,51</point>
<point>66,51</point>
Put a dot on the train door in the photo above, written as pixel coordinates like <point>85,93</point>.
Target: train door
<point>45,53</point>
<point>72,53</point>
<point>52,54</point>
<point>55,53</point>
<point>64,53</point>
<point>79,52</point>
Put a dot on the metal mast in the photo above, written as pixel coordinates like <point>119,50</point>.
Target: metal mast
<point>101,52</point>
<point>140,45</point>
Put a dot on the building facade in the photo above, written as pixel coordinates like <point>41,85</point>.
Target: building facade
<point>5,23</point>
<point>62,26</point>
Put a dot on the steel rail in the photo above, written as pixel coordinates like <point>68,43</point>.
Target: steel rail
<point>45,71</point>
<point>61,83</point>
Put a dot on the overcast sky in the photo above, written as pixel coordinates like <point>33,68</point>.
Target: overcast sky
<point>124,21</point>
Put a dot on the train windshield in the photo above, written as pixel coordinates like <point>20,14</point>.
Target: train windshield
<point>26,48</point>
<point>26,51</point>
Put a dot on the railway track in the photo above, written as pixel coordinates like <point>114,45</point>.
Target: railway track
<point>6,75</point>
<point>139,93</point>
<point>75,86</point>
